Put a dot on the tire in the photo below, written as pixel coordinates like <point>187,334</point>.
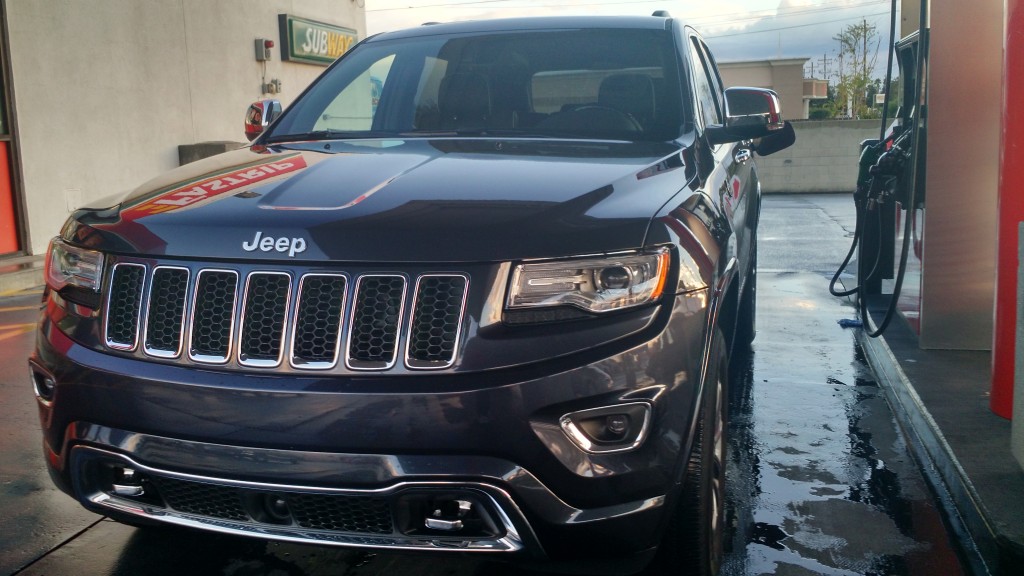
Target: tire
<point>693,541</point>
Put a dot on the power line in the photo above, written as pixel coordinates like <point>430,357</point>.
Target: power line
<point>818,23</point>
<point>719,19</point>
<point>474,2</point>
<point>824,7</point>
<point>726,19</point>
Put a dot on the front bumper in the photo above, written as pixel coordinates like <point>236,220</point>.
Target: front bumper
<point>493,440</point>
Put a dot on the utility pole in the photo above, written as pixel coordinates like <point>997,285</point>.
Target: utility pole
<point>825,60</point>
<point>864,62</point>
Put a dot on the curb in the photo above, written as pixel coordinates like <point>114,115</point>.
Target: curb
<point>21,273</point>
<point>986,550</point>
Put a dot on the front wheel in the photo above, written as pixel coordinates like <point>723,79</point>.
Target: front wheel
<point>693,541</point>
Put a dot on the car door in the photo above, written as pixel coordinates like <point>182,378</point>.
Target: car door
<point>732,180</point>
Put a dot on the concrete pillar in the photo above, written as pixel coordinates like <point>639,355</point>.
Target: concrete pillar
<point>1012,198</point>
<point>1017,426</point>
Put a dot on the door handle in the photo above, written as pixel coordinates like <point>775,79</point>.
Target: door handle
<point>742,155</point>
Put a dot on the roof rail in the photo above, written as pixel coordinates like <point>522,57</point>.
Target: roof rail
<point>661,14</point>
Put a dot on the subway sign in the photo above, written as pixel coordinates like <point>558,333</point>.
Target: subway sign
<point>313,42</point>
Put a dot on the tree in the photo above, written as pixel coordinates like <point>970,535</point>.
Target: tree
<point>858,54</point>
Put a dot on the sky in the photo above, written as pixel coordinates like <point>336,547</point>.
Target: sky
<point>734,29</point>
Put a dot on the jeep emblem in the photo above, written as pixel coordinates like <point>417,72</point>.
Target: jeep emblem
<point>263,243</point>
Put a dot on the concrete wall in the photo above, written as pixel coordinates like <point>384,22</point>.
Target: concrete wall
<point>106,90</point>
<point>823,159</point>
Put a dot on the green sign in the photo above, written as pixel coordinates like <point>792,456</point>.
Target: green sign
<point>313,42</point>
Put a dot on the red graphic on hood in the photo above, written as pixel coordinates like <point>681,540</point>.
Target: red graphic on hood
<point>212,187</point>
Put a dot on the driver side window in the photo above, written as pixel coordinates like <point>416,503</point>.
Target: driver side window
<point>355,106</point>
<point>707,98</point>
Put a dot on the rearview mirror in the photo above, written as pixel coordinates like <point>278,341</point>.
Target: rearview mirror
<point>749,113</point>
<point>259,115</point>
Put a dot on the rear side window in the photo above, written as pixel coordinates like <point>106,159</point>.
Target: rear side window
<point>597,83</point>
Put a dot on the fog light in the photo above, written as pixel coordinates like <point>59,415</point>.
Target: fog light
<point>617,424</point>
<point>617,428</point>
<point>42,383</point>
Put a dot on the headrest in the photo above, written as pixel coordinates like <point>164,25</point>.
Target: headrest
<point>464,100</point>
<point>630,93</point>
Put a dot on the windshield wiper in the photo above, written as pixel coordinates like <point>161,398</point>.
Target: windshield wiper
<point>329,134</point>
<point>473,132</point>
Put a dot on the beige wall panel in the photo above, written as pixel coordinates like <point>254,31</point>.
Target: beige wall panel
<point>89,99</point>
<point>106,90</point>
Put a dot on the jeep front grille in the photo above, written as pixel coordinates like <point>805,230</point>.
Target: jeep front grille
<point>259,318</point>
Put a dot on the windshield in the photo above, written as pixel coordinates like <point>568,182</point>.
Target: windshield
<point>596,83</point>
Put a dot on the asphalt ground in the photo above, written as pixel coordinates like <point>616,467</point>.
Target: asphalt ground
<point>819,479</point>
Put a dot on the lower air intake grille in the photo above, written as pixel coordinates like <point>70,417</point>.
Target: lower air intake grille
<point>200,499</point>
<point>332,512</point>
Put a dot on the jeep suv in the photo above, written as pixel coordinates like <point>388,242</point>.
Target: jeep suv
<point>474,291</point>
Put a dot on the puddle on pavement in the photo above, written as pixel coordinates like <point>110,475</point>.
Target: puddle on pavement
<point>820,481</point>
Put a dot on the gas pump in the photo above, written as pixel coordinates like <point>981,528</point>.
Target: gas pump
<point>890,181</point>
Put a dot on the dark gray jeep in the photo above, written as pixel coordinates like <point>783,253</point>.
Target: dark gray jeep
<point>474,291</point>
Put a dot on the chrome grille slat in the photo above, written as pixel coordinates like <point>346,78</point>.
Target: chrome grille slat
<point>124,306</point>
<point>377,308</point>
<point>192,314</point>
<point>165,316</point>
<point>264,310</point>
<point>316,336</point>
<point>436,320</point>
<point>213,316</point>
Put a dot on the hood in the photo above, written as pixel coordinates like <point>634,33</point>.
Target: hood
<point>395,201</point>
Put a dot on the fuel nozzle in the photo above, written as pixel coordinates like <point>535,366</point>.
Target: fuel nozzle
<point>888,166</point>
<point>890,163</point>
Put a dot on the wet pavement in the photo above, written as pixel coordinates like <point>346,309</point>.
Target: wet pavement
<point>820,480</point>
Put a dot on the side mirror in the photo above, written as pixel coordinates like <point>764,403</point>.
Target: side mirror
<point>749,113</point>
<point>777,140</point>
<point>259,115</point>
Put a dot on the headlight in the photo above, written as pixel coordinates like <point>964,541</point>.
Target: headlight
<point>67,265</point>
<point>593,284</point>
